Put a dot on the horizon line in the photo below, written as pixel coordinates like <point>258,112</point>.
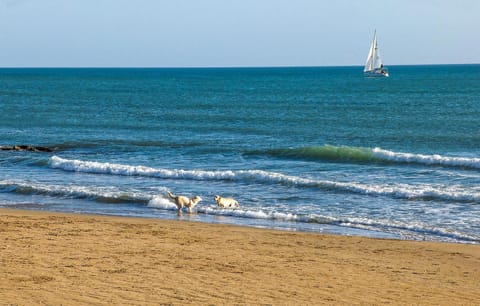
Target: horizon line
<point>223,67</point>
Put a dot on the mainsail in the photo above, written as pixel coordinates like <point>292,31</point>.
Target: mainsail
<point>374,61</point>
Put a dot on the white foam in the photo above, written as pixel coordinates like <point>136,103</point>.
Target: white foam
<point>434,159</point>
<point>402,191</point>
<point>76,191</point>
<point>162,203</point>
<point>248,213</point>
<point>414,230</point>
<point>418,191</point>
<point>127,170</point>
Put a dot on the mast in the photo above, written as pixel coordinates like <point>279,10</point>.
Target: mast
<point>375,51</point>
<point>377,60</point>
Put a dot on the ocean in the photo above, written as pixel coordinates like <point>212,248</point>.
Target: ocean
<point>316,149</point>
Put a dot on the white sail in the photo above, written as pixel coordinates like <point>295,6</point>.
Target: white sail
<point>377,60</point>
<point>374,65</point>
<point>369,64</point>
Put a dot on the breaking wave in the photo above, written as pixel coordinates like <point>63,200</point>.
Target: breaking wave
<point>100,194</point>
<point>366,155</point>
<point>427,192</point>
<point>435,159</point>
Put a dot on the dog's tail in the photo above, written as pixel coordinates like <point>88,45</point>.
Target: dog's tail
<point>171,195</point>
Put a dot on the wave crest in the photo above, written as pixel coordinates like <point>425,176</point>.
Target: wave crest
<point>326,152</point>
<point>367,155</point>
<point>424,159</point>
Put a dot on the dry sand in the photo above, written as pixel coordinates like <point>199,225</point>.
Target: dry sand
<point>52,258</point>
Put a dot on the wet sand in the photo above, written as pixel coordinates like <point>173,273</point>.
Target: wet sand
<point>52,258</point>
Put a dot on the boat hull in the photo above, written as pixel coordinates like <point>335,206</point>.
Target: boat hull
<point>376,74</point>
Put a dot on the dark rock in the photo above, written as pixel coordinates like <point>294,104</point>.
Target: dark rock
<point>26,148</point>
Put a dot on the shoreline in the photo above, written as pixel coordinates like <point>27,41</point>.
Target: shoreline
<point>63,258</point>
<point>207,218</point>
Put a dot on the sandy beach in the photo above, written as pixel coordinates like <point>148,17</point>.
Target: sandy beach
<point>53,258</point>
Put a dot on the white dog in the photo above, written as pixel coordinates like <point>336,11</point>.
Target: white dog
<point>182,201</point>
<point>225,202</point>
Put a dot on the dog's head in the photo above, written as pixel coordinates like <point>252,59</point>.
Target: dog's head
<point>217,198</point>
<point>196,199</point>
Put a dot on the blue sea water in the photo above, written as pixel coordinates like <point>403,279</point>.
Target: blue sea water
<point>306,149</point>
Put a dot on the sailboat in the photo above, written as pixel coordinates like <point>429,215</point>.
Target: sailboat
<point>373,65</point>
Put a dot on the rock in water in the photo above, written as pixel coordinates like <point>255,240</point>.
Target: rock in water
<point>26,148</point>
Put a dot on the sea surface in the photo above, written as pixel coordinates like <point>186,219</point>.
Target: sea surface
<point>319,149</point>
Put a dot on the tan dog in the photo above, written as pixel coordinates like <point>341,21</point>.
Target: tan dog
<point>182,201</point>
<point>225,202</point>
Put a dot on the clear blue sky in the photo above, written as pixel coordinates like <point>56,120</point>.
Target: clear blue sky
<point>213,33</point>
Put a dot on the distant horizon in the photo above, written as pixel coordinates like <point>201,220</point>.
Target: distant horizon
<point>226,67</point>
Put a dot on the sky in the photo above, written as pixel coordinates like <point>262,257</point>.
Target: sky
<point>236,33</point>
